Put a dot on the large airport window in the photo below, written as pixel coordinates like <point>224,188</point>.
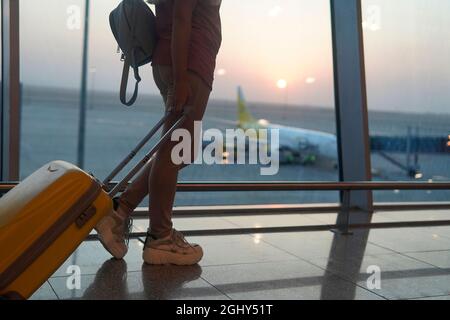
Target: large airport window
<point>274,71</point>
<point>408,73</point>
<point>50,58</point>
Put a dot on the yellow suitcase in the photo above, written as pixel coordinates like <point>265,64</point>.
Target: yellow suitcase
<point>46,217</point>
<point>42,221</point>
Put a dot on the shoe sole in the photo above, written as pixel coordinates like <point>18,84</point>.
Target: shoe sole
<point>153,256</point>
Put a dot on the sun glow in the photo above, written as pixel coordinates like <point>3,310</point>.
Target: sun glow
<point>282,84</point>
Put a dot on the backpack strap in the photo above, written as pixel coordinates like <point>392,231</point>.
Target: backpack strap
<point>123,86</point>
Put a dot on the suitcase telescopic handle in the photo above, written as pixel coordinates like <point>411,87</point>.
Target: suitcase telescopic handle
<point>149,155</point>
<point>133,153</point>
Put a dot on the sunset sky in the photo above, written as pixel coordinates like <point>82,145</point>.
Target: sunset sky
<point>264,41</point>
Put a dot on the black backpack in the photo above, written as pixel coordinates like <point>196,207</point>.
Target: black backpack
<point>134,27</point>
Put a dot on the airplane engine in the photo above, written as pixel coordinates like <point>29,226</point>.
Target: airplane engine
<point>304,156</point>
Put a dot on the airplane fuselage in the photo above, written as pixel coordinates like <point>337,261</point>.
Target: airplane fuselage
<point>299,140</point>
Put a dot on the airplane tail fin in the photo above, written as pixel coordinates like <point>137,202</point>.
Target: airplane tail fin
<point>244,115</point>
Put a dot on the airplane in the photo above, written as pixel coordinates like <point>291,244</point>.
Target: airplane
<point>306,147</point>
<point>297,145</point>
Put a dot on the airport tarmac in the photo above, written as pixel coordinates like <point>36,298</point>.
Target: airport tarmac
<point>50,129</point>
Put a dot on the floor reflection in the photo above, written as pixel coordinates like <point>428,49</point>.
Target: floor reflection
<point>110,282</point>
<point>315,266</point>
<point>170,282</point>
<point>158,282</point>
<point>348,251</point>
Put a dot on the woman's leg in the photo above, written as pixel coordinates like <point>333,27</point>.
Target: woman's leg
<point>112,228</point>
<point>163,172</point>
<point>159,178</point>
<point>135,193</point>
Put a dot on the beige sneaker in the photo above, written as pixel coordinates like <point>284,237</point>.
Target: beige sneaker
<point>113,233</point>
<point>173,249</point>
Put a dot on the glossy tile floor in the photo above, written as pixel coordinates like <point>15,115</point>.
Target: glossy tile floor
<point>414,263</point>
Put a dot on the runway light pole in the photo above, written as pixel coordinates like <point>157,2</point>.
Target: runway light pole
<point>83,90</point>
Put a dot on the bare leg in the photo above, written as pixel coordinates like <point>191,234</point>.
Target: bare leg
<point>139,188</point>
<point>164,173</point>
<point>136,191</point>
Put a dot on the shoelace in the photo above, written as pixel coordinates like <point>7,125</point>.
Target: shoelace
<point>122,234</point>
<point>128,225</point>
<point>123,229</point>
<point>179,236</point>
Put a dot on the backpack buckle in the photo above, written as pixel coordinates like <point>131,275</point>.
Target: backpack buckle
<point>122,57</point>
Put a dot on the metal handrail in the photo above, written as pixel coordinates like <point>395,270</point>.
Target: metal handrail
<point>291,186</point>
<point>244,210</point>
<point>291,209</point>
<point>345,187</point>
<point>287,229</point>
<point>310,186</point>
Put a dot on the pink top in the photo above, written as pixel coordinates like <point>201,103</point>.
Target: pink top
<point>206,37</point>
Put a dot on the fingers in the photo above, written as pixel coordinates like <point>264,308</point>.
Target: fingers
<point>181,97</point>
<point>179,104</point>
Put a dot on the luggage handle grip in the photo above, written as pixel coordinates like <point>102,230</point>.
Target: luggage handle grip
<point>150,154</point>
